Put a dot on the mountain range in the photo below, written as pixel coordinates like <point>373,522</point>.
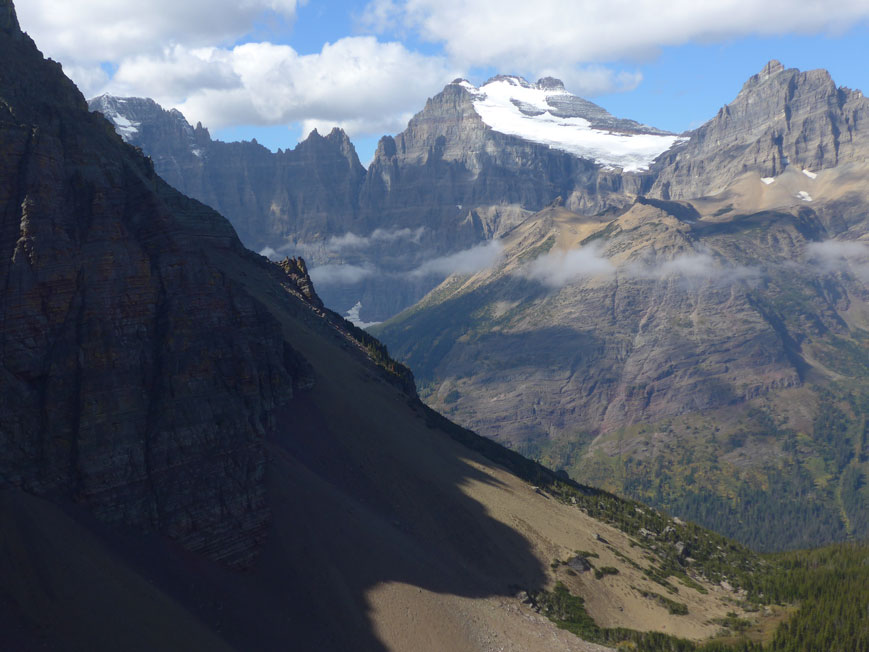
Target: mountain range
<point>617,294</point>
<point>449,183</point>
<point>195,453</point>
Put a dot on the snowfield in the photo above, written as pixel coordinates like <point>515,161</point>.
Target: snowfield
<point>497,103</point>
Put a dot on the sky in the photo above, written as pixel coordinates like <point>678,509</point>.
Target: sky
<point>276,69</point>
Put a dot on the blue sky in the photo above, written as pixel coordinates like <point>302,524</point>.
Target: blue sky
<point>274,69</point>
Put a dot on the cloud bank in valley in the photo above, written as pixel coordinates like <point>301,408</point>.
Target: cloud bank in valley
<point>350,240</point>
<point>341,274</point>
<point>833,256</point>
<point>468,261</point>
<point>557,269</point>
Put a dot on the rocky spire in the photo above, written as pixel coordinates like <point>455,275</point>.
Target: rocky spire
<point>773,67</point>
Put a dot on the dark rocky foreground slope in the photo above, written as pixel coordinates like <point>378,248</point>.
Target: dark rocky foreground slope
<point>194,454</point>
<point>137,376</point>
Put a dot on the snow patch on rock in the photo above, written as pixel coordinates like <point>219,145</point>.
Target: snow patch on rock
<point>353,315</point>
<point>125,127</point>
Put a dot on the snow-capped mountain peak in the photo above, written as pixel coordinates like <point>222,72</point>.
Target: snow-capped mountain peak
<point>544,112</point>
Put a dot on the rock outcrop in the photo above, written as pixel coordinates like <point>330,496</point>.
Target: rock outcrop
<point>296,271</point>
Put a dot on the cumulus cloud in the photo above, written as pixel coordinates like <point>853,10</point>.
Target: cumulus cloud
<point>833,256</point>
<point>110,30</point>
<point>468,261</point>
<point>592,80</point>
<point>558,268</point>
<point>557,34</point>
<point>268,252</point>
<point>186,55</point>
<point>358,83</point>
<point>340,274</point>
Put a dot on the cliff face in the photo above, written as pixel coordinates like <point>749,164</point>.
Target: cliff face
<point>136,377</point>
<point>304,194</point>
<point>781,117</point>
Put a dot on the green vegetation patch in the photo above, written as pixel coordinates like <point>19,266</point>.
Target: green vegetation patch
<point>830,584</point>
<point>676,608</point>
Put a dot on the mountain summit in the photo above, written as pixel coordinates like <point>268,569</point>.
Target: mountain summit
<point>546,113</point>
<point>782,117</point>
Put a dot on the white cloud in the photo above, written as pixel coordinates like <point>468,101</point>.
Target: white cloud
<point>593,80</point>
<point>183,55</point>
<point>468,261</point>
<point>358,83</point>
<point>340,274</point>
<point>558,268</point>
<point>352,241</point>
<point>833,256</point>
<point>692,267</point>
<point>558,34</point>
<point>109,30</point>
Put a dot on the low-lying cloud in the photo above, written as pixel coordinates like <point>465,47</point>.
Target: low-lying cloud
<point>468,261</point>
<point>350,240</point>
<point>833,256</point>
<point>694,267</point>
<point>557,268</point>
<point>340,274</point>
